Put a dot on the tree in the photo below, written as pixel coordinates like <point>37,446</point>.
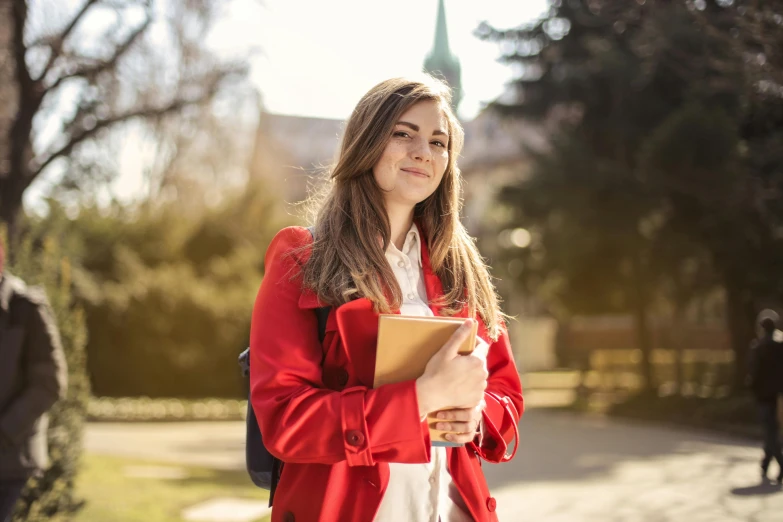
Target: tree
<point>167,295</point>
<point>72,84</point>
<point>637,90</point>
<point>580,62</point>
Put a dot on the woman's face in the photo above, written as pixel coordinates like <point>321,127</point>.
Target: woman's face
<point>415,158</point>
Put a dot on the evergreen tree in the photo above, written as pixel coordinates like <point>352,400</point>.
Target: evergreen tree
<point>653,117</point>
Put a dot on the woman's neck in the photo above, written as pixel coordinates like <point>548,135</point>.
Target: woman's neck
<point>400,219</point>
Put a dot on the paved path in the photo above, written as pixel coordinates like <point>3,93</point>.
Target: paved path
<point>219,445</point>
<point>568,468</point>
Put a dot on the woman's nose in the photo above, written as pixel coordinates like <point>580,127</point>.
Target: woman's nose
<point>420,150</point>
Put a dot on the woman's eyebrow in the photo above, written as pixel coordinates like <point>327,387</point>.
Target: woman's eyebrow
<point>416,128</point>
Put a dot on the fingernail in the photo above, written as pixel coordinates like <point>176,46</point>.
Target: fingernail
<point>448,437</point>
<point>441,415</point>
<point>442,426</point>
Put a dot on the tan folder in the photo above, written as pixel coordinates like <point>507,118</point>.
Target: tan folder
<point>405,345</point>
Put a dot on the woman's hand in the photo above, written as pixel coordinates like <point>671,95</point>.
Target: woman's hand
<point>450,380</point>
<point>462,423</point>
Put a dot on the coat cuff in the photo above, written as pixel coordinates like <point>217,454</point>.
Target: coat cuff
<point>491,444</point>
<point>356,437</point>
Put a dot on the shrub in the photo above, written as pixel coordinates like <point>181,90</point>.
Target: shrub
<point>51,497</point>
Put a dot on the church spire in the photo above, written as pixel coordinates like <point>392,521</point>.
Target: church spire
<point>440,62</point>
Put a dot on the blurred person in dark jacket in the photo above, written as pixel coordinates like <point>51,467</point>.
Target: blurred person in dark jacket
<point>33,377</point>
<point>765,377</point>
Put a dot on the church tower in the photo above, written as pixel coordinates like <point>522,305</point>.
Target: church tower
<point>441,63</point>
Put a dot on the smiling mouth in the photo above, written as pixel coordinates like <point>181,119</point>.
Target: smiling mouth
<point>417,172</point>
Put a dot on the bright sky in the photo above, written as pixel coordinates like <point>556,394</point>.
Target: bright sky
<point>320,57</point>
<point>317,58</point>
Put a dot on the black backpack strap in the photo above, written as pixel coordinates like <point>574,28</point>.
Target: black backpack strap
<point>322,314</point>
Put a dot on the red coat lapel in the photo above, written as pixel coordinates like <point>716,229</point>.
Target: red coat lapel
<point>357,324</point>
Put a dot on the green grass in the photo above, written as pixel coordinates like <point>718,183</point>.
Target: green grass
<point>110,495</point>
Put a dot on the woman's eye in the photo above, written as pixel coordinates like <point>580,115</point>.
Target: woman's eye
<point>402,134</point>
<point>438,143</point>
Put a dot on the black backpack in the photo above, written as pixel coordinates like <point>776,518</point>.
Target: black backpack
<point>263,468</point>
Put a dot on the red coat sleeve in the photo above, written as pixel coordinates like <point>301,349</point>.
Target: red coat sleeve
<point>504,403</point>
<point>301,420</point>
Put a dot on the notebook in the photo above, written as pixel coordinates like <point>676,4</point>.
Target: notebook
<point>405,345</point>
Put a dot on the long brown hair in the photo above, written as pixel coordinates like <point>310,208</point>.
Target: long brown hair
<point>348,260</point>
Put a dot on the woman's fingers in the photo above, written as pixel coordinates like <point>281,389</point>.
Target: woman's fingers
<point>460,438</point>
<point>463,423</point>
<point>457,427</point>
<point>461,415</point>
<point>460,421</point>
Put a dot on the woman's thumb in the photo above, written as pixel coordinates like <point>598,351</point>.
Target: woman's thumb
<point>451,349</point>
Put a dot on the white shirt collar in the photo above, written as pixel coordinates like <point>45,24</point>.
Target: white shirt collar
<point>412,245</point>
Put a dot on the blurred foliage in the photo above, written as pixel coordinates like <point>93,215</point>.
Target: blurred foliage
<point>143,409</point>
<point>662,180</point>
<point>41,261</point>
<point>168,292</point>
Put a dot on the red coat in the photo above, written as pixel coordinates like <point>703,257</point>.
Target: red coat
<point>320,415</point>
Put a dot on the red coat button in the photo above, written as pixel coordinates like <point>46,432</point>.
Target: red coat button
<point>491,504</point>
<point>288,517</point>
<point>354,437</point>
<point>342,377</point>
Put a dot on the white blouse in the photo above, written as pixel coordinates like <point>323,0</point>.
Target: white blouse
<point>418,492</point>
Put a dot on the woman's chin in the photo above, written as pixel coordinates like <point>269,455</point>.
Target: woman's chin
<point>408,196</point>
<point>414,197</point>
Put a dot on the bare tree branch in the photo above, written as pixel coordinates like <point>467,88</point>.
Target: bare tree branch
<point>122,84</point>
<point>56,44</point>
<point>119,52</point>
<point>143,112</point>
<point>146,112</point>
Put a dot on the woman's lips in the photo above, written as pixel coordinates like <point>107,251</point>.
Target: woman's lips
<point>416,172</point>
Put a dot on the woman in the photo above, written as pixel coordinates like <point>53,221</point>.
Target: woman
<point>387,240</point>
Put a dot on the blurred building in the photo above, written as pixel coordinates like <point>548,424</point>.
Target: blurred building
<point>292,151</point>
<point>496,152</point>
